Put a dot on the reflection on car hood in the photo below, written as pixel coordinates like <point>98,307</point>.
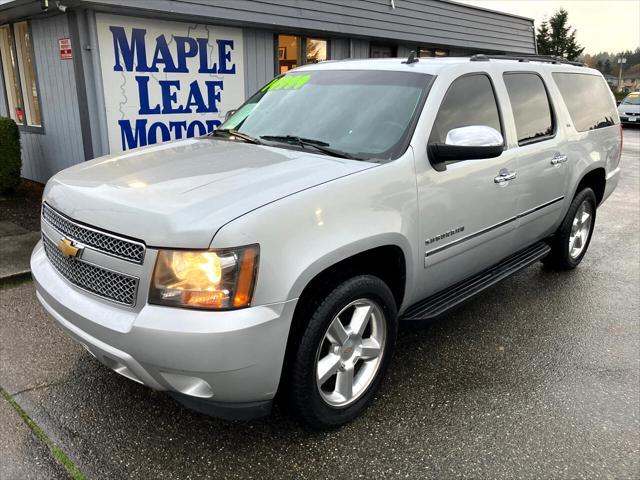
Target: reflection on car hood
<point>628,108</point>
<point>180,193</point>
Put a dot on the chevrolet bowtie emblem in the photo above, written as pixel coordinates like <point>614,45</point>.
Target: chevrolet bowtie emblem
<point>67,248</point>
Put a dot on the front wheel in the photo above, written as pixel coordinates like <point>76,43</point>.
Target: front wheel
<point>344,352</point>
<point>570,243</point>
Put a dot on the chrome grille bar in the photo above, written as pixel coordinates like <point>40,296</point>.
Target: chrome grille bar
<point>108,243</point>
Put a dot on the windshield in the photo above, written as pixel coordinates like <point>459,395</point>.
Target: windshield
<point>363,113</point>
<point>632,99</point>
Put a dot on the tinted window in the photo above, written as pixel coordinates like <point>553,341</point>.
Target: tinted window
<point>530,104</point>
<point>469,101</point>
<point>588,100</point>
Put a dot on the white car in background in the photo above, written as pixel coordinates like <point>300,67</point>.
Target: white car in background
<point>629,109</point>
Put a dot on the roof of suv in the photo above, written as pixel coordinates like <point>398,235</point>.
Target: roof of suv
<point>433,65</point>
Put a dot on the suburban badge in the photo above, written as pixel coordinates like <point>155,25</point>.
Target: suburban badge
<point>437,238</point>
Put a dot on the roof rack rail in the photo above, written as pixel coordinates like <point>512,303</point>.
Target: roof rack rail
<point>483,57</point>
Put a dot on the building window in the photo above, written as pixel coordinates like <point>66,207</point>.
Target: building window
<point>432,52</point>
<point>316,50</point>
<point>294,51</point>
<point>19,74</point>
<point>10,74</point>
<point>289,53</point>
<point>382,51</point>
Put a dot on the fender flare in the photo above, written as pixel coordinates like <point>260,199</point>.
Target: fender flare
<point>351,249</point>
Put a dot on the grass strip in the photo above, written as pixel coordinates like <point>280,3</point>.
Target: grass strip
<point>15,280</point>
<point>56,451</point>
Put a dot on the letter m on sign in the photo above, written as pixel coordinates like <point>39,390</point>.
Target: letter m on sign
<point>125,51</point>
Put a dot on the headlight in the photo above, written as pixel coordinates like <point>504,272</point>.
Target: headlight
<point>209,279</point>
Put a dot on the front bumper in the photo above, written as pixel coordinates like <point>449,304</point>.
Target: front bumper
<point>223,360</point>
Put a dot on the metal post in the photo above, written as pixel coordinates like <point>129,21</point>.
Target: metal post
<point>621,61</point>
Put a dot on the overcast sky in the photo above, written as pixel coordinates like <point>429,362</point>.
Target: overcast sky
<point>603,25</point>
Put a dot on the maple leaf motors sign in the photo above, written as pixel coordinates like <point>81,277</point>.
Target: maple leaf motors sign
<point>167,80</point>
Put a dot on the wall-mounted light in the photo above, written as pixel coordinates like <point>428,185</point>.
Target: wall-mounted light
<point>62,7</point>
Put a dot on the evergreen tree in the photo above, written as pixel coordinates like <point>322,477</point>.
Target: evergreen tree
<point>543,38</point>
<point>556,37</point>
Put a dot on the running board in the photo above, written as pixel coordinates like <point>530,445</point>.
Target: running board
<point>448,298</point>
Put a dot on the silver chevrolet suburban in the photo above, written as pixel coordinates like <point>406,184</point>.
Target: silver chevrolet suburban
<point>278,253</point>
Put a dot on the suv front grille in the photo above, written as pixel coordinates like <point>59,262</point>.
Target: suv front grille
<point>108,284</point>
<point>104,242</point>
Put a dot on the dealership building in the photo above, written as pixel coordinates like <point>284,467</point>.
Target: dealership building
<point>84,78</point>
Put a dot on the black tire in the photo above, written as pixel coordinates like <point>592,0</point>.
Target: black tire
<point>305,400</point>
<point>560,257</point>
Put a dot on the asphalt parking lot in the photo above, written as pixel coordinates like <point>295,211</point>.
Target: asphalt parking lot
<point>537,378</point>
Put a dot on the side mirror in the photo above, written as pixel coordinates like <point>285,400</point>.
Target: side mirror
<point>229,113</point>
<point>474,142</point>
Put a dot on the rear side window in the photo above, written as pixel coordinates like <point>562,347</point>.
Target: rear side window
<point>588,100</point>
<point>530,105</point>
<point>469,101</point>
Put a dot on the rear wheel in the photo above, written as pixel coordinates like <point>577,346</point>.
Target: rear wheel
<point>570,243</point>
<point>344,352</point>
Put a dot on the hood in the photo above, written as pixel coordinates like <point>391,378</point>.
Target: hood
<point>628,108</point>
<point>180,193</point>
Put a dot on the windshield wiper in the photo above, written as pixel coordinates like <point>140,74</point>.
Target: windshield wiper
<point>295,139</point>
<point>317,144</point>
<point>228,132</point>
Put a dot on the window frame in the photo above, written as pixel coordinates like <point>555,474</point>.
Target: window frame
<point>498,107</point>
<point>302,49</point>
<point>18,77</point>
<point>552,108</point>
<point>4,86</point>
<point>2,72</point>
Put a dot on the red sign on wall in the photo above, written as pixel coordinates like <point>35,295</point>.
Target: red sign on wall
<point>64,45</point>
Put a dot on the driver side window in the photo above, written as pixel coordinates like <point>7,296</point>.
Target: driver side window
<point>470,100</point>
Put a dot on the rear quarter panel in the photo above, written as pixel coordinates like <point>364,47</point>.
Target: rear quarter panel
<point>588,150</point>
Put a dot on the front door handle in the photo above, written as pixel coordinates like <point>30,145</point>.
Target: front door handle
<point>504,176</point>
<point>558,158</point>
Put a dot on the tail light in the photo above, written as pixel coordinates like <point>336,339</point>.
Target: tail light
<point>621,142</point>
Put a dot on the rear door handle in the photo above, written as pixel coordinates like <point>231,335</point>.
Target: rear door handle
<point>558,158</point>
<point>504,176</point>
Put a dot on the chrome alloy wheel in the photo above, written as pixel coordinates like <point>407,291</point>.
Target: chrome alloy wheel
<point>580,229</point>
<point>350,353</point>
